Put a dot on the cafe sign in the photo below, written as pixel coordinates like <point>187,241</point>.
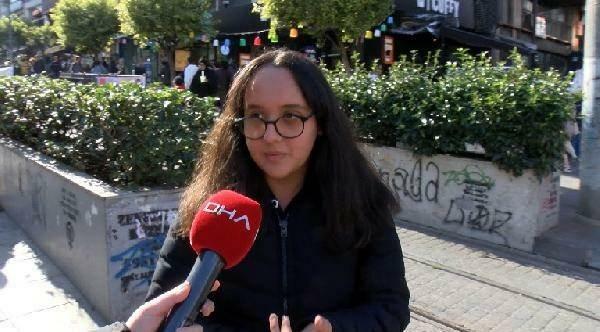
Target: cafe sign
<point>445,7</point>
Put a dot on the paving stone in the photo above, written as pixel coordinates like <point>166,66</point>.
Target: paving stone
<point>584,325</point>
<point>561,322</point>
<point>485,307</point>
<point>7,326</point>
<point>19,271</point>
<point>10,237</point>
<point>458,282</point>
<point>66,317</point>
<point>531,275</point>
<point>36,295</point>
<point>422,324</point>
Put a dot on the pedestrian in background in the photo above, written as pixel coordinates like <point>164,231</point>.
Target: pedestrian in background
<point>571,144</point>
<point>38,65</point>
<point>189,71</point>
<point>121,66</point>
<point>203,81</point>
<point>112,66</point>
<point>178,83</point>
<point>223,79</point>
<point>76,66</point>
<point>165,72</point>
<point>98,68</point>
<point>327,256</point>
<point>55,67</point>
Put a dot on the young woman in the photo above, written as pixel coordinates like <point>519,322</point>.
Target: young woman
<point>327,257</point>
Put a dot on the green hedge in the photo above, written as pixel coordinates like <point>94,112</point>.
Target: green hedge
<point>125,135</point>
<point>130,137</point>
<point>517,114</point>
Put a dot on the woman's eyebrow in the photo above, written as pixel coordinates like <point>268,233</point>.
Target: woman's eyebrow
<point>253,107</point>
<point>294,106</point>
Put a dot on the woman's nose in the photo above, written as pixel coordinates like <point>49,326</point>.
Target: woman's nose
<point>271,133</point>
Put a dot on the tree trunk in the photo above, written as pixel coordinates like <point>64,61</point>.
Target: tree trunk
<point>335,41</point>
<point>345,58</point>
<point>171,60</point>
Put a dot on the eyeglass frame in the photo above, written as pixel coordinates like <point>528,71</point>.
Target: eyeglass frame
<point>302,118</point>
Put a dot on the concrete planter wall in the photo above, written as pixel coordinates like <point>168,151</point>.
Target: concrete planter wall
<point>469,197</point>
<point>105,240</point>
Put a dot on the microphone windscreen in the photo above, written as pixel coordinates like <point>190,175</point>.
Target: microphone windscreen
<point>227,223</point>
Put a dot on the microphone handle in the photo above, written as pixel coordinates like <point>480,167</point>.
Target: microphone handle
<point>204,273</point>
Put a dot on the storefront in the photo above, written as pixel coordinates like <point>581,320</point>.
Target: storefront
<point>445,25</point>
<point>243,35</point>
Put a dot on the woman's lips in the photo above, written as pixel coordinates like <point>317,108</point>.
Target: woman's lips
<point>274,156</point>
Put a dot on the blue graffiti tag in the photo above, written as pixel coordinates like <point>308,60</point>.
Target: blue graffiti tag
<point>144,255</point>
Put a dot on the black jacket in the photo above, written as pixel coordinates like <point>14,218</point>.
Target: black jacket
<point>204,89</point>
<point>291,270</point>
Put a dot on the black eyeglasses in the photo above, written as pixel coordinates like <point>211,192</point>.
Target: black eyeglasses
<point>287,125</point>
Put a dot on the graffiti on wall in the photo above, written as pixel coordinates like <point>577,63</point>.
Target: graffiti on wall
<point>473,208</point>
<point>137,263</point>
<point>414,182</point>
<point>471,174</point>
<point>38,190</point>
<point>146,224</point>
<point>550,202</point>
<point>145,231</point>
<point>70,212</point>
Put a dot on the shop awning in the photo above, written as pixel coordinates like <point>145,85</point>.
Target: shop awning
<point>439,26</point>
<point>482,41</point>
<point>54,49</point>
<point>239,20</point>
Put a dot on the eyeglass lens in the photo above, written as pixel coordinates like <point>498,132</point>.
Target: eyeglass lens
<point>288,126</point>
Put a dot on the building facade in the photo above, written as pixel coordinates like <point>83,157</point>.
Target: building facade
<point>34,10</point>
<point>549,33</point>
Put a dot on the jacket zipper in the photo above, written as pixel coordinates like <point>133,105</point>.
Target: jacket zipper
<point>283,223</point>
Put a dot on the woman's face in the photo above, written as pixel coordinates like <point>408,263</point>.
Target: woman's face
<point>271,94</point>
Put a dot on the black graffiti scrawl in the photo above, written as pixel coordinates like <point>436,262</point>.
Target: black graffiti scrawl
<point>473,209</point>
<point>414,182</point>
<point>146,224</point>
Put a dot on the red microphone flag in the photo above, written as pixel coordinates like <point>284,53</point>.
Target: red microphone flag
<point>227,223</point>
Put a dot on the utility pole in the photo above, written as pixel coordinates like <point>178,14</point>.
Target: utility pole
<point>9,51</point>
<point>589,168</point>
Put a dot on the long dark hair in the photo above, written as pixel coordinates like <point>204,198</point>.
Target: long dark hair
<point>357,202</point>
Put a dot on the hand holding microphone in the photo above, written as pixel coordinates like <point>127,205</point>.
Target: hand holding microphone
<point>151,314</point>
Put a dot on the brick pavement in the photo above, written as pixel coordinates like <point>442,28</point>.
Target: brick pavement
<point>457,284</point>
<point>472,286</point>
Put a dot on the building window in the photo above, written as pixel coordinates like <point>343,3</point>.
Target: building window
<point>527,15</point>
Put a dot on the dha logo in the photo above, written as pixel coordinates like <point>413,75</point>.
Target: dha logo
<point>218,209</point>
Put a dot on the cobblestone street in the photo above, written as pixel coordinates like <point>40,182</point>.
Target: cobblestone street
<point>456,284</point>
<point>463,285</point>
